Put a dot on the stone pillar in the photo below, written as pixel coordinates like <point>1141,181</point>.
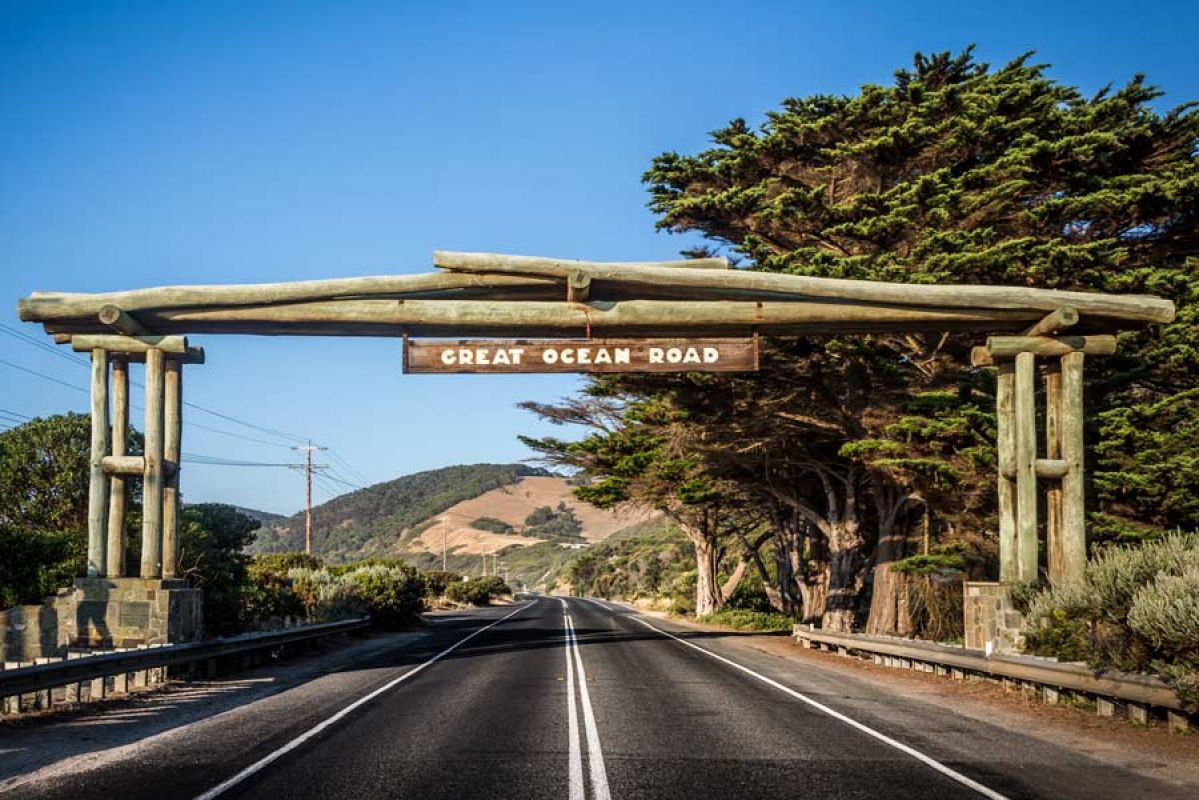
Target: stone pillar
<point>97,499</point>
<point>151,561</point>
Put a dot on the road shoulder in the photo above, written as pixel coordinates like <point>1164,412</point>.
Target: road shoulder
<point>1151,752</point>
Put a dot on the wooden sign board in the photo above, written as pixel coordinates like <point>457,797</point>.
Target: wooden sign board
<point>581,355</point>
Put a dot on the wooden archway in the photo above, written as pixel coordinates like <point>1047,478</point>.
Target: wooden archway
<point>481,294</point>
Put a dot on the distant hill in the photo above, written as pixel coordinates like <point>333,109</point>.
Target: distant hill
<point>510,514</point>
<point>265,517</point>
<point>374,520</point>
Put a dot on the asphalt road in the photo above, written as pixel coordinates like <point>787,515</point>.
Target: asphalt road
<point>581,699</point>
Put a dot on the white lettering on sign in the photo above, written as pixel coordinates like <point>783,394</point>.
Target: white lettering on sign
<point>599,355</point>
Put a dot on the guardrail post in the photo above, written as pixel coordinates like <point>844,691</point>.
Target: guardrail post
<point>1138,713</point>
<point>1177,722</point>
<point>1105,707</point>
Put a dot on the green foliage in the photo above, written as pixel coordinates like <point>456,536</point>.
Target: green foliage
<point>325,596</point>
<point>477,591</point>
<point>492,524</point>
<point>44,474</point>
<point>554,524</point>
<point>436,582</point>
<point>941,560</point>
<point>34,564</point>
<point>212,541</point>
<point>393,594</point>
<point>1137,609</point>
<point>368,520</point>
<point>1149,460</point>
<point>647,562</point>
<point>745,620</point>
<point>43,513</point>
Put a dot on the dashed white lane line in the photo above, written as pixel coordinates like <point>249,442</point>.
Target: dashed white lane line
<point>853,723</point>
<point>266,761</point>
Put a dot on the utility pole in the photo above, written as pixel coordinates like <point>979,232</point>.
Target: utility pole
<point>308,492</point>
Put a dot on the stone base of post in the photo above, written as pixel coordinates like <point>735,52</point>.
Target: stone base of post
<point>105,613</point>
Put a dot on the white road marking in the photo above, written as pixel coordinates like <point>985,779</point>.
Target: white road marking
<point>266,761</point>
<point>599,775</point>
<point>882,737</point>
<point>575,770</point>
<point>595,602</point>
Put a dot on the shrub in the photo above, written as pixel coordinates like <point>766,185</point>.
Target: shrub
<point>476,591</point>
<point>268,594</point>
<point>746,620</point>
<point>393,594</point>
<point>1136,609</point>
<point>436,582</point>
<point>327,597</point>
<point>492,524</point>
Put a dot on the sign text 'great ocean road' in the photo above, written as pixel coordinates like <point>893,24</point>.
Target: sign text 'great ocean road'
<point>581,355</point>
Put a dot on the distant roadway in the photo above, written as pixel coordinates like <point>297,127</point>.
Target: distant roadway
<point>575,699</point>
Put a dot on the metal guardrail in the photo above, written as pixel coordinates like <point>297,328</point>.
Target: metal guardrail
<point>72,671</point>
<point>1137,692</point>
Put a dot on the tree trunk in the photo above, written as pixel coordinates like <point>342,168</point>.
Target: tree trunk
<point>707,589</point>
<point>890,588</point>
<point>844,576</point>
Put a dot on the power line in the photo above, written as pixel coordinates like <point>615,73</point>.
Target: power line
<point>75,359</point>
<point>77,388</point>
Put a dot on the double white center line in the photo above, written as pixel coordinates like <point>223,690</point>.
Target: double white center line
<point>595,755</point>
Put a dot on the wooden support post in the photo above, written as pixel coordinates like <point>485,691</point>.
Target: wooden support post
<point>1005,389</point>
<point>151,566</point>
<point>97,501</point>
<point>1053,452</point>
<point>120,444</point>
<point>1073,529</point>
<point>173,420</point>
<point>1026,477</point>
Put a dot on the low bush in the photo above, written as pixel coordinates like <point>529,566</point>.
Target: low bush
<point>1136,609</point>
<point>477,591</point>
<point>436,582</point>
<point>745,620</point>
<point>394,595</point>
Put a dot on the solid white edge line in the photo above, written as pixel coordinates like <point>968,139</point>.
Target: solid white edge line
<point>599,774</point>
<point>575,763</point>
<point>882,737</point>
<point>267,760</point>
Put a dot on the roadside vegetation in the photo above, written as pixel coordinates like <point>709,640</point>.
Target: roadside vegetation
<point>1137,610</point>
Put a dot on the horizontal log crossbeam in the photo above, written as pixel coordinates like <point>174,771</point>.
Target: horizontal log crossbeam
<point>480,294</point>
<point>134,466</point>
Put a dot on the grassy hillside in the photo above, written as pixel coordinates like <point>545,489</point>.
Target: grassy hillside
<point>371,520</point>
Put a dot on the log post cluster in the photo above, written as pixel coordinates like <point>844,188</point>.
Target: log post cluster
<point>1029,482</point>
<point>111,466</point>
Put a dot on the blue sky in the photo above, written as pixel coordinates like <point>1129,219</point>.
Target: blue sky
<point>154,143</point>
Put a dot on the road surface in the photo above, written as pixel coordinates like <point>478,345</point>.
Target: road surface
<point>576,699</point>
